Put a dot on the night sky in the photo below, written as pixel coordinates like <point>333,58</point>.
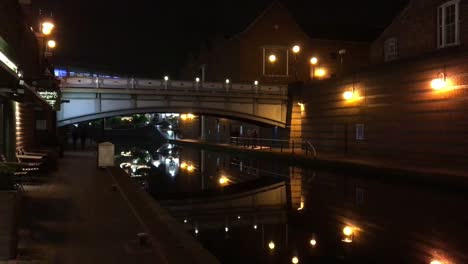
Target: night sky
<point>153,37</point>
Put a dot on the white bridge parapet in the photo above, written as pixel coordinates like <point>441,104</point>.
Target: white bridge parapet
<point>96,97</point>
<point>175,85</point>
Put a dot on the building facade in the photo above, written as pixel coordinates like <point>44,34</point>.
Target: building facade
<point>27,120</point>
<point>263,52</point>
<point>410,105</point>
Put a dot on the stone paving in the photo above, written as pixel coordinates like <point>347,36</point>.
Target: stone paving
<point>80,216</point>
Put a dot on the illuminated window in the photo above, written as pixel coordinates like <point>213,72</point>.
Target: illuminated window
<point>275,61</point>
<point>360,131</point>
<point>391,49</point>
<point>448,29</point>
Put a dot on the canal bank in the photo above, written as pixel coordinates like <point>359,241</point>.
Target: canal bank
<point>402,170</point>
<point>90,215</point>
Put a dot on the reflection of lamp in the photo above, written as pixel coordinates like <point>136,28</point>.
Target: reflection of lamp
<point>223,180</point>
<point>295,260</point>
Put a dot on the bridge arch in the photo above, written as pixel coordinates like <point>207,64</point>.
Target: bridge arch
<point>90,98</point>
<point>198,111</point>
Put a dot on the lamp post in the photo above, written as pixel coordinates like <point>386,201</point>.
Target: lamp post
<point>313,63</point>
<point>46,30</point>
<point>295,49</point>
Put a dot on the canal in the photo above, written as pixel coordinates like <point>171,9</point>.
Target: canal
<point>249,209</point>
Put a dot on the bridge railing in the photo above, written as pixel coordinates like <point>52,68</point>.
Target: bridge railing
<point>280,145</point>
<point>171,85</point>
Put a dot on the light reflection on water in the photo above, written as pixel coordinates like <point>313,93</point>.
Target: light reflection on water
<point>342,217</point>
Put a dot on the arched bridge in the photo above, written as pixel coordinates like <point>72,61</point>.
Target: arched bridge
<point>95,97</point>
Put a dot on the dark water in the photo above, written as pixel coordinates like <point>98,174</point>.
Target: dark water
<point>259,201</point>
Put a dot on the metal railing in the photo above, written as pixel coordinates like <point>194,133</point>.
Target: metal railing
<point>281,145</point>
<point>171,85</point>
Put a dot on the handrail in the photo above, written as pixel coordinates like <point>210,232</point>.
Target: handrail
<point>282,144</point>
<point>314,151</point>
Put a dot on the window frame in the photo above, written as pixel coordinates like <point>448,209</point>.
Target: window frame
<point>387,56</point>
<point>442,27</point>
<point>360,128</point>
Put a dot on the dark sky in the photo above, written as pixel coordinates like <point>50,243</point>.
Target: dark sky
<point>154,37</point>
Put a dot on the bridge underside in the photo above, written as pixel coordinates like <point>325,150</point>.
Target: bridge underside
<point>90,104</point>
<point>210,112</point>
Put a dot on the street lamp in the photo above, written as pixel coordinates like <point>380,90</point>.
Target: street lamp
<point>296,49</point>
<point>51,44</point>
<point>313,62</point>
<point>47,27</point>
<point>272,58</point>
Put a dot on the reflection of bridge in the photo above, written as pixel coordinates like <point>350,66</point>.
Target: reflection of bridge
<point>94,97</point>
<point>265,205</point>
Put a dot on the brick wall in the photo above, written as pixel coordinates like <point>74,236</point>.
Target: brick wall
<point>403,117</point>
<point>241,58</point>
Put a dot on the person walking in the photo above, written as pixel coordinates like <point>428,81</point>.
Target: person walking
<point>75,135</point>
<point>83,135</point>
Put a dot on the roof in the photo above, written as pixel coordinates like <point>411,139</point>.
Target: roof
<point>354,21</point>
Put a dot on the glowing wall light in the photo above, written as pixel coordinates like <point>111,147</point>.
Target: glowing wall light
<point>439,83</point>
<point>320,72</point>
<point>302,105</point>
<point>348,95</point>
<point>347,231</point>
<point>223,180</point>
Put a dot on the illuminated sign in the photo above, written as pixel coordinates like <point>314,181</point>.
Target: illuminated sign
<point>51,97</point>
<point>8,62</point>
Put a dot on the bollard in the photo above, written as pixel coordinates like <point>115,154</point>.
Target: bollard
<point>143,239</point>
